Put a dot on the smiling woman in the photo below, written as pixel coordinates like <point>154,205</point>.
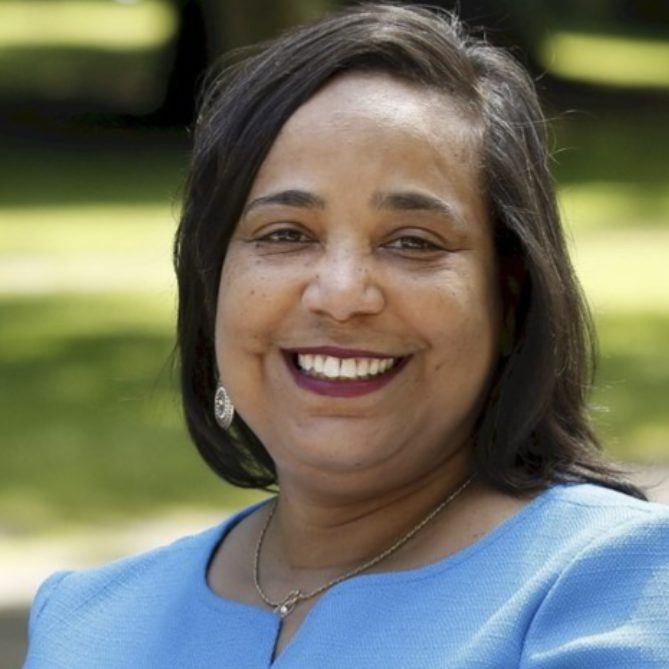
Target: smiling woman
<point>339,257</point>
<point>378,315</point>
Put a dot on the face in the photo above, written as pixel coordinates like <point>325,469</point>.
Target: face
<point>358,310</point>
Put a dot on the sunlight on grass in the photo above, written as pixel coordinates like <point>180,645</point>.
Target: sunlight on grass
<point>625,270</point>
<point>87,248</point>
<point>92,273</point>
<point>110,54</point>
<point>607,59</point>
<point>78,23</point>
<point>632,383</point>
<point>73,229</point>
<point>92,424</point>
<point>614,204</point>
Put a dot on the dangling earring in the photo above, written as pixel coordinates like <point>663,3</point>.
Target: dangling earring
<point>223,408</point>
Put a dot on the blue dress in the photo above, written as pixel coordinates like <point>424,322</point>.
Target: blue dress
<point>578,579</point>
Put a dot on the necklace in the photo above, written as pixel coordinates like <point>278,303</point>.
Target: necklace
<point>294,597</point>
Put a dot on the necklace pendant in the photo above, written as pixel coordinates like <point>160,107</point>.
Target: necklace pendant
<point>287,605</point>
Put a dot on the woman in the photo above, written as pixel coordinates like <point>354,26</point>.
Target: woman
<point>378,314</point>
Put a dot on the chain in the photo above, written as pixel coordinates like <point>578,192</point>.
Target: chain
<point>294,597</point>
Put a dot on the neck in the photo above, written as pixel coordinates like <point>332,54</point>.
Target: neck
<point>322,532</point>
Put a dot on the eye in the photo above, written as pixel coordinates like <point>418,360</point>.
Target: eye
<point>285,236</point>
<point>413,243</point>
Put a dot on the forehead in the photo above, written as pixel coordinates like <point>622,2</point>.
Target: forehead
<point>377,103</point>
<point>372,126</point>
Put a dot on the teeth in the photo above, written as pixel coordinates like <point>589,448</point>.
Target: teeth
<point>347,368</point>
<point>329,367</point>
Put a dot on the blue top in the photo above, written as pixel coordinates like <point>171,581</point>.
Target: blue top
<point>578,578</point>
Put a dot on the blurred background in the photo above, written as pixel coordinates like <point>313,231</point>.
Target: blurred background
<point>96,102</point>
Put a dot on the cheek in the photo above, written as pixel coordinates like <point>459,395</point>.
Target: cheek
<point>462,317</point>
<point>252,301</point>
<point>242,301</point>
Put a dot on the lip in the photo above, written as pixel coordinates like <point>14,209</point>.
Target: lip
<point>332,388</point>
<point>337,352</point>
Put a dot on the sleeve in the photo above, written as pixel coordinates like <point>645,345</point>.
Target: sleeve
<point>609,608</point>
<point>44,593</point>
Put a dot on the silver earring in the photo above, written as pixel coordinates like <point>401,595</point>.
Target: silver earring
<point>223,408</point>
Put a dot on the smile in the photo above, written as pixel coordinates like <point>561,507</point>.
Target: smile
<point>337,372</point>
<point>343,369</point>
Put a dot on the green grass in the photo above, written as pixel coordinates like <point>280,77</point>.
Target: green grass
<point>633,384</point>
<point>112,54</point>
<point>615,60</point>
<point>92,421</point>
<point>612,169</point>
<point>624,270</point>
<point>614,184</point>
<point>70,165</point>
<point>108,25</point>
<point>92,425</point>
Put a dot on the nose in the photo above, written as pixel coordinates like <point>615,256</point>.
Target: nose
<point>344,285</point>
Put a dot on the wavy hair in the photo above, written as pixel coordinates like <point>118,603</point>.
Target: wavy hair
<point>534,428</point>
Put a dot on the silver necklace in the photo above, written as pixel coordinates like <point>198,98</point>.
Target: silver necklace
<point>285,606</point>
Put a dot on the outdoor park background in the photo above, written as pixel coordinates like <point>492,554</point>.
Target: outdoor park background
<point>96,96</point>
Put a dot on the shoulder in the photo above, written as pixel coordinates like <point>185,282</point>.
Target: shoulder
<point>66,591</point>
<point>126,593</point>
<point>576,515</point>
<point>606,531</point>
<point>582,529</point>
<point>116,614</point>
<point>599,498</point>
<point>606,601</point>
<point>566,522</point>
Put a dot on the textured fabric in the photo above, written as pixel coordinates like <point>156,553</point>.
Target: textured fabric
<point>577,579</point>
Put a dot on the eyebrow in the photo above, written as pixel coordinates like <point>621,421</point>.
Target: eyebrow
<point>395,200</point>
<point>412,201</point>
<point>417,201</point>
<point>288,198</point>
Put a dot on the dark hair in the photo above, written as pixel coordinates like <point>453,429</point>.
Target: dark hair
<point>534,428</point>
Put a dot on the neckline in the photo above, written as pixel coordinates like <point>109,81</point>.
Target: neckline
<point>218,534</point>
